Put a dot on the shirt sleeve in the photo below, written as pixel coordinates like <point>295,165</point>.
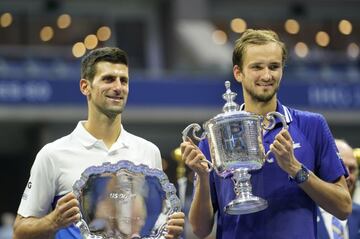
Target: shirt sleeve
<point>157,158</point>
<point>330,166</point>
<point>204,147</point>
<point>40,189</point>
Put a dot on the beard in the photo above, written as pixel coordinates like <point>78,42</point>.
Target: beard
<point>111,111</point>
<point>262,97</point>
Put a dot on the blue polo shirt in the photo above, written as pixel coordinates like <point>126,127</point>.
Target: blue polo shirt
<point>291,213</point>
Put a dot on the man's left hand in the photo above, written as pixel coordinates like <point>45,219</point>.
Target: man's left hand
<point>175,225</point>
<point>282,147</point>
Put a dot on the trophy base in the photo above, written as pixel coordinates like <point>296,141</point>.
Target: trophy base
<point>246,205</point>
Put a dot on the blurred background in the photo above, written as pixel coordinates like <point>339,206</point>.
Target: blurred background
<point>180,55</point>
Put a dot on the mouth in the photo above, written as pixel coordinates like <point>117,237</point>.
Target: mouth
<point>115,98</point>
<point>265,84</point>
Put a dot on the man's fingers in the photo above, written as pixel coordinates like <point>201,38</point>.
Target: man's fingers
<point>173,231</point>
<point>65,206</point>
<point>187,148</point>
<point>71,212</point>
<point>67,210</point>
<point>67,197</point>
<point>282,142</point>
<point>285,133</point>
<point>68,221</point>
<point>177,215</point>
<point>176,222</point>
<point>190,141</point>
<point>274,149</point>
<point>192,156</point>
<point>200,159</point>
<point>75,218</point>
<point>280,138</point>
<point>177,219</point>
<point>175,225</point>
<point>191,153</point>
<point>64,220</point>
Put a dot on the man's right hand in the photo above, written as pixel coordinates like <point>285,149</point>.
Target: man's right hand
<point>66,212</point>
<point>201,214</point>
<point>194,158</point>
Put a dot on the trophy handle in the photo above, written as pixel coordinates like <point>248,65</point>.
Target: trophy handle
<point>271,118</point>
<point>196,127</point>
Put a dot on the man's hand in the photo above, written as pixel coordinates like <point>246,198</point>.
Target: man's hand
<point>193,157</point>
<point>65,213</point>
<point>282,147</point>
<point>175,225</point>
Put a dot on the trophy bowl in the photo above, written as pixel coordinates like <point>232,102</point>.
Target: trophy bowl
<point>124,201</point>
<point>236,147</point>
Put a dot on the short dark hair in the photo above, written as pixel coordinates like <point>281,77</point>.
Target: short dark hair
<point>255,37</point>
<point>109,54</point>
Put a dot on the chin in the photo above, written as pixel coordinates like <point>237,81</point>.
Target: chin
<point>264,98</point>
<point>114,112</point>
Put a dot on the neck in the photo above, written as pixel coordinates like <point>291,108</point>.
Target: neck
<point>104,128</point>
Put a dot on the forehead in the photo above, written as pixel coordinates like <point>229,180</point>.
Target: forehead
<point>267,52</point>
<point>346,153</point>
<point>348,157</point>
<point>105,67</point>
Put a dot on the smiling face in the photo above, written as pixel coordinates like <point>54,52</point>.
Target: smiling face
<point>108,91</point>
<point>261,72</point>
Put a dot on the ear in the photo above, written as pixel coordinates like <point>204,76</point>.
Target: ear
<point>237,73</point>
<point>85,87</point>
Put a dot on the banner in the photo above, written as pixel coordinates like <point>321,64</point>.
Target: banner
<point>179,92</point>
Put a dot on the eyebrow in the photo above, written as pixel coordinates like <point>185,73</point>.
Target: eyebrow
<point>113,74</point>
<point>276,63</point>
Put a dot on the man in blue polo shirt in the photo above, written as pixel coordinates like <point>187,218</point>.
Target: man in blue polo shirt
<point>306,169</point>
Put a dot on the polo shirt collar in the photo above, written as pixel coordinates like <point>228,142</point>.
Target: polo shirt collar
<point>282,109</point>
<point>123,140</point>
<point>89,140</point>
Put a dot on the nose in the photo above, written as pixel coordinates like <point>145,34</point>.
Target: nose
<point>267,74</point>
<point>117,85</point>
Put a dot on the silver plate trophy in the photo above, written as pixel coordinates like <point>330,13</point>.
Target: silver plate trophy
<point>124,200</point>
<point>235,141</point>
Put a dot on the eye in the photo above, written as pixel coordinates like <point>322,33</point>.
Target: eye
<point>124,80</point>
<point>108,78</point>
<point>274,67</point>
<point>256,67</point>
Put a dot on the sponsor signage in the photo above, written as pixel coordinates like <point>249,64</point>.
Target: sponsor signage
<point>179,92</point>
